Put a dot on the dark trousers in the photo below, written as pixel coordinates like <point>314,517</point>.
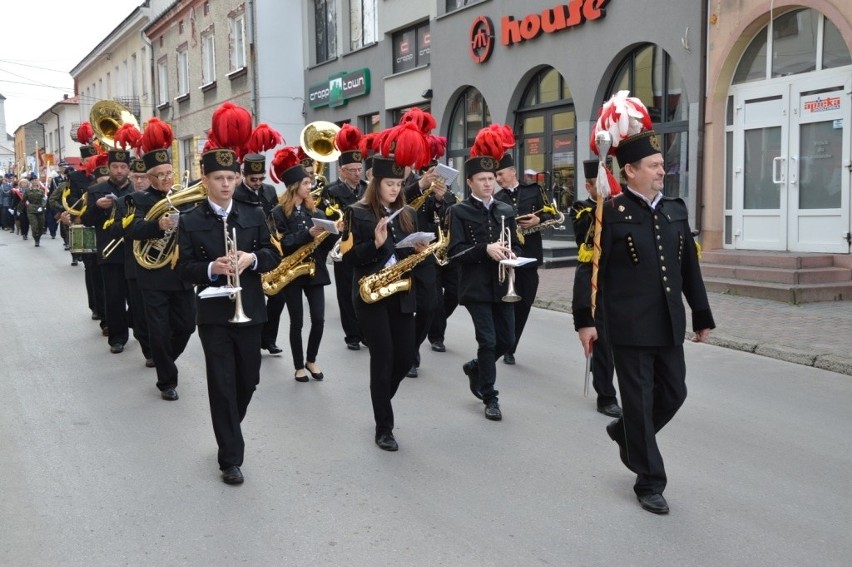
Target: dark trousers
<point>425,282</point>
<point>447,290</point>
<point>171,321</point>
<point>137,319</point>
<point>315,295</point>
<point>94,286</point>
<point>63,232</point>
<point>36,221</point>
<point>7,219</point>
<point>602,364</point>
<point>343,282</point>
<point>274,308</point>
<point>23,224</point>
<point>390,337</point>
<point>494,323</point>
<point>652,382</point>
<point>50,222</point>
<point>232,358</point>
<point>115,299</point>
<point>526,285</point>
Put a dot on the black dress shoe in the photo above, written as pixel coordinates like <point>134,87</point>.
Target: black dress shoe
<point>273,349</point>
<point>509,358</point>
<point>116,348</point>
<point>73,262</point>
<point>492,411</point>
<point>616,433</point>
<point>232,475</point>
<point>169,394</point>
<point>314,375</point>
<point>149,363</point>
<point>472,372</point>
<point>302,378</point>
<point>353,345</point>
<point>96,317</point>
<point>412,372</point>
<point>438,346</point>
<point>653,503</point>
<point>386,442</point>
<point>612,410</point>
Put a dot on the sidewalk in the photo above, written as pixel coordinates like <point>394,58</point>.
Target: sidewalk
<point>813,334</point>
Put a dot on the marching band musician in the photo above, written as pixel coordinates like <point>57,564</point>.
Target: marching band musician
<point>386,324</point>
<point>137,319</point>
<point>293,221</point>
<point>583,218</point>
<point>528,202</point>
<point>169,301</point>
<point>103,199</point>
<point>343,193</point>
<point>231,350</point>
<point>477,243</point>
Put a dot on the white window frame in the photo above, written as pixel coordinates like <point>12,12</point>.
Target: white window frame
<point>237,41</point>
<point>183,72</point>
<point>208,59</point>
<point>363,23</point>
<point>163,81</point>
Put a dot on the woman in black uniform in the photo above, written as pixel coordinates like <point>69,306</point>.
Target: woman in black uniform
<point>299,236</point>
<point>387,324</point>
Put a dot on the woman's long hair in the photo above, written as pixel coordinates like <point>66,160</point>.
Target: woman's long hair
<point>374,203</point>
<point>287,200</point>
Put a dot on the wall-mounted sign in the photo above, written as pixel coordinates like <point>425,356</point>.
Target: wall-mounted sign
<point>515,31</point>
<point>339,89</point>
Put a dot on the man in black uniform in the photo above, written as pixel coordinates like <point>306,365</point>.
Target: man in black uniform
<point>475,231</point>
<point>137,319</point>
<point>528,203</point>
<point>254,191</point>
<point>583,219</point>
<point>231,349</point>
<point>169,301</point>
<point>342,193</point>
<point>105,211</point>
<point>648,259</point>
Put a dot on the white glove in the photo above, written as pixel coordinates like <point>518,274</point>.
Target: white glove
<point>39,210</point>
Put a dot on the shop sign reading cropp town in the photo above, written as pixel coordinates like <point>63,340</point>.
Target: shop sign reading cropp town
<point>512,32</point>
<point>339,89</point>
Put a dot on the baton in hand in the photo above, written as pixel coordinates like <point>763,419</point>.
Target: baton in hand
<point>587,374</point>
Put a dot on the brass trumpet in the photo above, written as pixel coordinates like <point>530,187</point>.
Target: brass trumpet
<point>234,279</point>
<point>507,271</point>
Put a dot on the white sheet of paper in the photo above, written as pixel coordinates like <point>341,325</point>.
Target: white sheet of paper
<point>517,262</point>
<point>447,173</point>
<point>393,215</point>
<point>416,238</point>
<point>218,292</point>
<point>326,225</point>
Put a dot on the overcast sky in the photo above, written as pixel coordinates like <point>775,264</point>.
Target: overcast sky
<point>41,41</point>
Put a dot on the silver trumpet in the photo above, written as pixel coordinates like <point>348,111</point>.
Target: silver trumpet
<point>504,270</point>
<point>234,279</point>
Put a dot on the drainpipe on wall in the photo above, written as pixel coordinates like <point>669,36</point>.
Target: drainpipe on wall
<point>252,68</point>
<point>58,133</point>
<point>699,181</point>
<point>150,45</point>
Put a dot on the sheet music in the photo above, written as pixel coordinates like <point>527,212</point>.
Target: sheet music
<point>517,262</point>
<point>221,291</point>
<point>326,225</point>
<point>447,173</point>
<point>416,238</point>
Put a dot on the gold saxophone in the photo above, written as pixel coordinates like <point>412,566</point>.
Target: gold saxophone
<point>390,280</point>
<point>554,222</point>
<point>297,264</point>
<point>418,201</point>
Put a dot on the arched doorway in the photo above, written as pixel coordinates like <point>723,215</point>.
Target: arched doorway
<point>470,113</point>
<point>787,138</point>
<point>546,128</point>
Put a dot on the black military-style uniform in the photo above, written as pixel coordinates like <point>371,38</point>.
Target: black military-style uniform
<point>340,195</point>
<point>648,262</point>
<point>231,350</point>
<point>526,199</point>
<point>583,219</point>
<point>116,294</point>
<point>295,234</point>
<point>472,228</point>
<point>388,324</point>
<point>137,319</point>
<point>169,301</point>
<point>267,197</point>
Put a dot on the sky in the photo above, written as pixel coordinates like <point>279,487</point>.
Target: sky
<point>41,41</point>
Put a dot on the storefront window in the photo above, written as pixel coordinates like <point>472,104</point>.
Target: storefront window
<point>753,64</point>
<point>650,74</point>
<point>325,20</point>
<point>412,48</point>
<point>834,50</point>
<point>469,115</point>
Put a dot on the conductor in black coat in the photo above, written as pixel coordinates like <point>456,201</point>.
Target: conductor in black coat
<point>648,260</point>
<point>528,203</point>
<point>475,244</point>
<point>231,349</point>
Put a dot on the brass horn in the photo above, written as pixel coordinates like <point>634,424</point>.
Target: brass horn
<point>106,117</point>
<point>317,139</point>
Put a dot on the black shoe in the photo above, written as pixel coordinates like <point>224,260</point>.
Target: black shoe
<point>37,244</point>
<point>232,475</point>
<point>616,433</point>
<point>314,375</point>
<point>353,345</point>
<point>149,363</point>
<point>508,358</point>
<point>96,317</point>
<point>169,394</point>
<point>653,503</point>
<point>386,442</point>
<point>612,410</point>
<point>116,348</point>
<point>492,411</point>
<point>412,372</point>
<point>303,378</point>
<point>66,247</point>
<point>73,262</point>
<point>438,346</point>
<point>472,372</point>
<point>273,349</point>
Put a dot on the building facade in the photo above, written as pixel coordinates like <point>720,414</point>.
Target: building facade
<point>58,124</point>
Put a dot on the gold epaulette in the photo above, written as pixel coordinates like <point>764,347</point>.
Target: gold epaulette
<point>346,239</point>
<point>580,211</point>
<point>585,253</point>
<point>698,250</point>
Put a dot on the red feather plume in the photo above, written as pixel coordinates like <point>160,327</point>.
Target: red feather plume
<point>284,159</point>
<point>348,138</point>
<point>488,142</point>
<point>263,138</point>
<point>505,133</point>
<point>95,162</point>
<point>128,137</point>
<point>424,121</point>
<point>85,133</point>
<point>369,143</point>
<point>232,127</point>
<point>158,135</point>
<point>437,145</point>
<point>407,144</point>
<point>302,155</point>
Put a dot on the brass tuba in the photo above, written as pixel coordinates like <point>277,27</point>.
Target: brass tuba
<point>106,117</point>
<point>317,139</point>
